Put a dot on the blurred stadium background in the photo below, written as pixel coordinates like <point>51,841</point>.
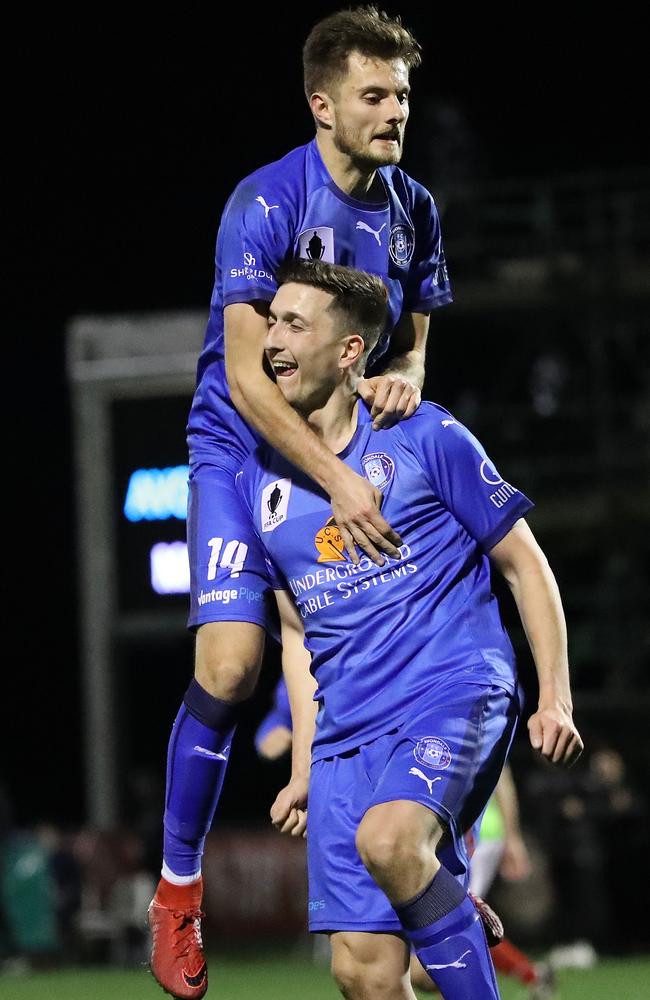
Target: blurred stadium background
<point>536,161</point>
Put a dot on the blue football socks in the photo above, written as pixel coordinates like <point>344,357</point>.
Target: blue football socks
<point>445,931</point>
<point>197,758</point>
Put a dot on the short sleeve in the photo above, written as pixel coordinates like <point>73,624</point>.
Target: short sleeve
<point>254,239</point>
<point>463,477</point>
<point>427,286</point>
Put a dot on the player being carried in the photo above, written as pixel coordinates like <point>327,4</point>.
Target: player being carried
<point>416,681</point>
<point>340,198</point>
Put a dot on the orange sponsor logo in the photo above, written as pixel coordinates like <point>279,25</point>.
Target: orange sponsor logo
<point>329,543</point>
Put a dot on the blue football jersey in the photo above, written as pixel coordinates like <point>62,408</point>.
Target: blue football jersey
<point>292,208</point>
<point>381,636</point>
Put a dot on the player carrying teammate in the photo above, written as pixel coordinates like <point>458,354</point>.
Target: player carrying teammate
<point>416,681</point>
<point>341,198</point>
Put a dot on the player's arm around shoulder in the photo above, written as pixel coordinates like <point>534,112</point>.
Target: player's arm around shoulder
<point>396,394</point>
<point>289,811</point>
<point>246,324</point>
<point>526,570</point>
<point>355,502</point>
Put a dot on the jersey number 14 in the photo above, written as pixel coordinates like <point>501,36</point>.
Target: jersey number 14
<point>233,556</point>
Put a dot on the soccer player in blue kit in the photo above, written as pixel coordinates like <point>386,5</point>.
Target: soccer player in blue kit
<point>416,687</point>
<point>340,198</point>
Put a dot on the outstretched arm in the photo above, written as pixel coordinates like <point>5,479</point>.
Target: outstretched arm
<point>531,580</point>
<point>355,502</point>
<point>289,811</point>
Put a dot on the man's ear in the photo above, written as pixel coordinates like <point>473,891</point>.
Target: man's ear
<point>322,108</point>
<point>352,350</point>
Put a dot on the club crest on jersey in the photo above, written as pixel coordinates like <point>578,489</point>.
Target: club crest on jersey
<point>274,503</point>
<point>378,468</point>
<point>317,244</point>
<point>329,543</point>
<point>401,244</point>
<point>432,752</point>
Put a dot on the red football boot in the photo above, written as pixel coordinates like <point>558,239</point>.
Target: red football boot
<point>491,922</point>
<point>177,959</point>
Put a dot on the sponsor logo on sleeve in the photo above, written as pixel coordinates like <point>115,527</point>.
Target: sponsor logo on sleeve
<point>490,476</point>
<point>441,274</point>
<point>378,468</point>
<point>317,244</point>
<point>274,503</point>
<point>432,752</point>
<point>249,269</point>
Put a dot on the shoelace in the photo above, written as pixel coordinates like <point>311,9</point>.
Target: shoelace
<point>189,920</point>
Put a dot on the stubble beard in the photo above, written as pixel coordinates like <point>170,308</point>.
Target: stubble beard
<point>362,154</point>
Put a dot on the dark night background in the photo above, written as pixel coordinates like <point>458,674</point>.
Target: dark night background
<point>129,140</point>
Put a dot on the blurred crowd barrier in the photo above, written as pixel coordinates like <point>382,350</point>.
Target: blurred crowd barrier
<point>82,896</point>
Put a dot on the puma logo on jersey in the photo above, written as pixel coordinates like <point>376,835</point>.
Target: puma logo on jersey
<point>448,423</point>
<point>267,208</point>
<point>375,232</point>
<point>429,781</point>
<point>458,964</point>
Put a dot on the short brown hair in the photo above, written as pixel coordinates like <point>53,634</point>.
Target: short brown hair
<point>360,299</point>
<point>364,29</point>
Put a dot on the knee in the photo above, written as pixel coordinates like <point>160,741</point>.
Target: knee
<point>389,847</point>
<point>228,665</point>
<point>230,681</point>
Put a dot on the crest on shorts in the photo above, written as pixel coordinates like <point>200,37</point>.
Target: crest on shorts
<point>432,752</point>
<point>401,244</point>
<point>329,543</point>
<point>275,500</point>
<point>378,468</point>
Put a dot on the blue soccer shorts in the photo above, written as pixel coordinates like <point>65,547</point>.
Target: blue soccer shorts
<point>229,581</point>
<point>447,755</point>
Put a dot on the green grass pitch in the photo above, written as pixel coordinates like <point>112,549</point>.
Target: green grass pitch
<point>286,978</point>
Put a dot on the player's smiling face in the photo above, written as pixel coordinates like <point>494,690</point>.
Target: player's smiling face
<point>369,108</point>
<point>309,356</point>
